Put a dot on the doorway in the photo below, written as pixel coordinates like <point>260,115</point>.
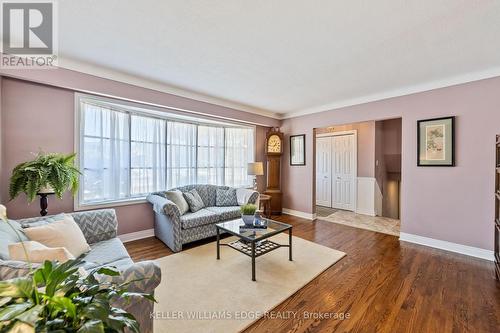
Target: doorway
<point>358,174</point>
<point>336,170</point>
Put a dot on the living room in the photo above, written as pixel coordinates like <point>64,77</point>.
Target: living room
<point>162,175</point>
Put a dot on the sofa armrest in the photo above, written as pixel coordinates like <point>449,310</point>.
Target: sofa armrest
<point>97,225</point>
<point>254,197</point>
<point>10,269</point>
<point>143,277</point>
<point>162,205</point>
<point>246,196</point>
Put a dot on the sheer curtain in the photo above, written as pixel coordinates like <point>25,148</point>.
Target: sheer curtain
<point>239,143</point>
<point>181,154</point>
<point>126,154</point>
<point>105,158</point>
<point>210,168</point>
<point>148,149</point>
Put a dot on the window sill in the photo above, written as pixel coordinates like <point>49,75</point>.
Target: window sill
<point>109,204</point>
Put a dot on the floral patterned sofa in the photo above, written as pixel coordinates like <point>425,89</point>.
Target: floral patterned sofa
<point>175,229</point>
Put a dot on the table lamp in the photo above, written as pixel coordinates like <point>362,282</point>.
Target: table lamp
<point>255,169</point>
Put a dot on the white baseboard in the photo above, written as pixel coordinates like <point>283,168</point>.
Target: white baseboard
<point>297,213</point>
<point>137,235</point>
<point>448,246</point>
<point>365,212</point>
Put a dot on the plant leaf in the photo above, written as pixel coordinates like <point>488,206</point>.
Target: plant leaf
<point>20,327</point>
<point>13,310</point>
<point>17,287</point>
<point>60,273</point>
<point>128,294</point>
<point>96,310</point>
<point>110,271</point>
<point>65,305</point>
<point>92,326</point>
<point>5,300</point>
<point>53,325</point>
<point>118,321</point>
<point>31,316</point>
<point>43,272</point>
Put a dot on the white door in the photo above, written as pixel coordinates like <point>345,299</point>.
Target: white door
<point>344,178</point>
<point>324,171</point>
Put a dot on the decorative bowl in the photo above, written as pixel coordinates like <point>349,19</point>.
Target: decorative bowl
<point>248,219</point>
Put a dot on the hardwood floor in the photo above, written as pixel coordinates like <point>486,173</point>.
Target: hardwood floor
<point>383,284</point>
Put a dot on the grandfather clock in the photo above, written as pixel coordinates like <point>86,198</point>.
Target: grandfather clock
<point>274,150</point>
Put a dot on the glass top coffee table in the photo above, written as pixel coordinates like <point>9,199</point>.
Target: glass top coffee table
<point>253,242</point>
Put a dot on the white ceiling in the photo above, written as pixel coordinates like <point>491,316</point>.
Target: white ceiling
<point>283,57</point>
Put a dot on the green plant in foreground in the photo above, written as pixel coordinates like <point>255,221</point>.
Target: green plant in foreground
<point>65,301</point>
<point>56,298</point>
<point>248,209</point>
<point>56,171</point>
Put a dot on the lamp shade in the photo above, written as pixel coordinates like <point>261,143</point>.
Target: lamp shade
<point>255,169</point>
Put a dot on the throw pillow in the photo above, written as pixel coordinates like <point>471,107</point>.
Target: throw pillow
<point>226,197</point>
<point>9,236</point>
<point>177,198</point>
<point>38,253</point>
<point>64,233</point>
<point>38,222</point>
<point>194,200</point>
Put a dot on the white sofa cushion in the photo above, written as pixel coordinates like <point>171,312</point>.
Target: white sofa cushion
<point>38,253</point>
<point>63,233</point>
<point>177,198</point>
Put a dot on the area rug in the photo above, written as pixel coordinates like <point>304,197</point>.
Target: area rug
<point>381,224</point>
<point>199,293</point>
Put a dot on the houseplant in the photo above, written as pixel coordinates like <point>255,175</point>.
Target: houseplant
<point>56,297</point>
<point>248,213</point>
<point>46,173</point>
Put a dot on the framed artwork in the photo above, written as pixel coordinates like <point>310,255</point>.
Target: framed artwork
<point>298,149</point>
<point>436,142</point>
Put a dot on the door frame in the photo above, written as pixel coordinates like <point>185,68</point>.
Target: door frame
<point>355,153</point>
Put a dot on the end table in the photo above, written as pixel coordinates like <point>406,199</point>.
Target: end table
<point>265,201</point>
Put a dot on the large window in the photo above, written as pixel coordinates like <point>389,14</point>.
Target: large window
<point>126,152</point>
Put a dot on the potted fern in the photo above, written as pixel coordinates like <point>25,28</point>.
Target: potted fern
<point>47,173</point>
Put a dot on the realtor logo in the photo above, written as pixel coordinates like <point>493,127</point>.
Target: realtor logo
<point>28,34</point>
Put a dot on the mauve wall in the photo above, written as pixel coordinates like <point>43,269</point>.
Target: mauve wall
<point>452,204</point>
<point>387,149</point>
<point>36,116</point>
<point>379,155</point>
<point>391,137</point>
<point>72,80</point>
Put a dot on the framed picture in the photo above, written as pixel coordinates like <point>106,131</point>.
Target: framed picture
<point>436,142</point>
<point>298,149</point>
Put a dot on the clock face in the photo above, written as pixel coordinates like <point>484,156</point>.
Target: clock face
<point>274,144</point>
